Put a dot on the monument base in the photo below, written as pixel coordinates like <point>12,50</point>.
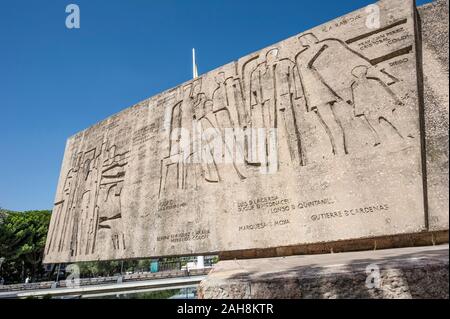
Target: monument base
<point>418,272</point>
<point>361,244</point>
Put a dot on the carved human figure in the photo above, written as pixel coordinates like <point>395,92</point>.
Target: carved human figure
<point>60,210</point>
<point>172,165</point>
<point>320,98</point>
<point>84,210</point>
<point>110,199</point>
<point>209,136</point>
<point>54,228</point>
<point>182,119</point>
<point>66,241</point>
<point>236,101</point>
<point>325,69</point>
<point>87,207</point>
<point>271,107</point>
<point>221,119</point>
<point>189,156</point>
<point>175,168</point>
<point>82,204</point>
<point>374,102</point>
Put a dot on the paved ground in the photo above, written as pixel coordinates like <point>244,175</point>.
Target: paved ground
<point>264,265</point>
<point>417,272</point>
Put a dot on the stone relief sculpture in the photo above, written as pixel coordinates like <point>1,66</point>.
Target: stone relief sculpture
<point>71,185</point>
<point>60,210</point>
<point>375,102</point>
<point>272,92</point>
<point>174,166</point>
<point>109,205</point>
<point>213,116</point>
<point>319,90</point>
<point>326,74</point>
<point>224,110</point>
<point>211,131</point>
<point>91,203</point>
<point>87,206</point>
<point>298,109</point>
<point>82,203</point>
<point>61,239</point>
<point>262,97</point>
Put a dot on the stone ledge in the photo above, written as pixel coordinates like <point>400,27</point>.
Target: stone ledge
<point>362,244</point>
<point>420,272</point>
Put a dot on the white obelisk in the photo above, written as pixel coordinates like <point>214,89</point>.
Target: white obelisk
<point>200,259</point>
<point>194,65</point>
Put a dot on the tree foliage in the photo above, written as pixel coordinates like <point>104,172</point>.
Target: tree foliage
<point>110,268</point>
<point>22,243</point>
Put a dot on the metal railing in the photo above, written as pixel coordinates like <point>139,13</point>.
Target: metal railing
<point>108,280</point>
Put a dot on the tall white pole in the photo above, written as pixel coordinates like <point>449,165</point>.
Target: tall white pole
<point>194,65</point>
<point>200,259</point>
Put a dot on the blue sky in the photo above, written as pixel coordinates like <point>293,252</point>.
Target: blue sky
<point>55,82</point>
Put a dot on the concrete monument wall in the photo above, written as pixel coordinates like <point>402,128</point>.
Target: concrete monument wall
<point>434,25</point>
<point>315,139</point>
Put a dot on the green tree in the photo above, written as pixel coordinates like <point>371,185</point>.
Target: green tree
<point>22,243</point>
<point>3,214</point>
<point>111,268</point>
<point>99,268</point>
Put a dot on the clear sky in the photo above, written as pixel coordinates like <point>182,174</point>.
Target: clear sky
<point>55,81</point>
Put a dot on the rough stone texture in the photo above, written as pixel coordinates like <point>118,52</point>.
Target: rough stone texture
<point>434,23</point>
<point>344,161</point>
<point>403,273</point>
<point>360,244</point>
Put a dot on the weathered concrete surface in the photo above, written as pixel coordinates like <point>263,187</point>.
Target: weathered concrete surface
<point>434,23</point>
<point>360,244</point>
<point>330,150</point>
<point>403,273</point>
